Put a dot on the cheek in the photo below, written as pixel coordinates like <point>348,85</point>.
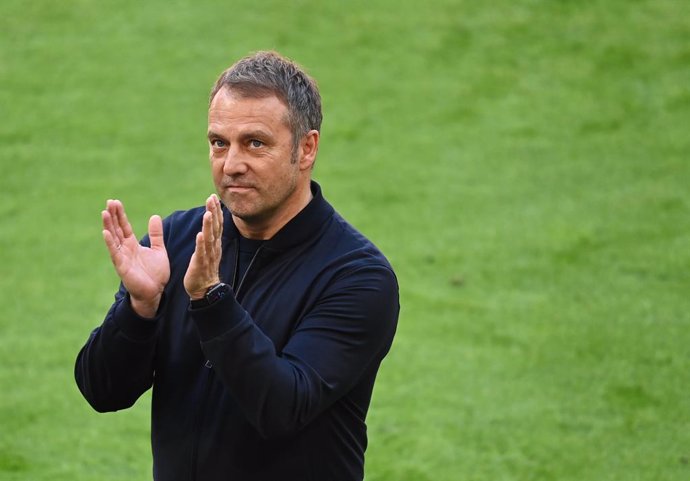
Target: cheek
<point>215,162</point>
<point>216,169</point>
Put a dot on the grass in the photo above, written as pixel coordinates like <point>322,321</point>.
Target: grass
<point>524,165</point>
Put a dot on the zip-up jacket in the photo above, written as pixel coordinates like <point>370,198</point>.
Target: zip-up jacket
<point>273,383</point>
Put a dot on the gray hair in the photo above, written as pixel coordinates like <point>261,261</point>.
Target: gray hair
<point>268,73</point>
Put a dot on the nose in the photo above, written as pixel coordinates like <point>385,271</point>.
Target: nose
<point>234,162</point>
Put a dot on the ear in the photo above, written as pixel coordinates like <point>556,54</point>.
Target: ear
<point>309,146</point>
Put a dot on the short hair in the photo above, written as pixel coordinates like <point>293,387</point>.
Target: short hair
<point>268,73</point>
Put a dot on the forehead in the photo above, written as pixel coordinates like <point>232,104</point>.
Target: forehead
<point>228,107</point>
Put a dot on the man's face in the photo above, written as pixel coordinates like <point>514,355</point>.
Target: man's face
<point>255,172</point>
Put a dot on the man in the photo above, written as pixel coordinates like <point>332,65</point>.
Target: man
<point>259,319</point>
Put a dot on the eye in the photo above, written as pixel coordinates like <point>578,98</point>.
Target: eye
<point>218,144</point>
<point>256,143</point>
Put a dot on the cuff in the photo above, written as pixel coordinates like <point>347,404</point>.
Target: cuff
<point>217,319</point>
<point>132,324</point>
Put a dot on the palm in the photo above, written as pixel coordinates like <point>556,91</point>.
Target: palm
<point>144,270</point>
<point>202,271</point>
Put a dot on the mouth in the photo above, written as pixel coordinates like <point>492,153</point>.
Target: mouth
<point>238,188</point>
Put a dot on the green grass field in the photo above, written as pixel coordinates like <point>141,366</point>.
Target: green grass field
<point>523,164</point>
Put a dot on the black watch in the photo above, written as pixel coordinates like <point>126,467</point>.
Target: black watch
<point>213,295</point>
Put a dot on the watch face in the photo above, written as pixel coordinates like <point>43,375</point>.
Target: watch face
<point>217,293</point>
<point>214,294</point>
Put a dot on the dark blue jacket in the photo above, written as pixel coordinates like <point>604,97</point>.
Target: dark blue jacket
<point>273,384</point>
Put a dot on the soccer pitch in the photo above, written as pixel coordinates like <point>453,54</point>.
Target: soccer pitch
<point>525,165</point>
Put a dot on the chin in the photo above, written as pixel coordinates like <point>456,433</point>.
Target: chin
<point>244,214</point>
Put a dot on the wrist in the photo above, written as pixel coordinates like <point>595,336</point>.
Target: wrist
<point>146,308</point>
<point>200,293</point>
<point>212,295</point>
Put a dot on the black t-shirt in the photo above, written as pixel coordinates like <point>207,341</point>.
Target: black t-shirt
<point>248,248</point>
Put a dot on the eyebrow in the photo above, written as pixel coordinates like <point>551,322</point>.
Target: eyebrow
<point>214,135</point>
<point>250,134</point>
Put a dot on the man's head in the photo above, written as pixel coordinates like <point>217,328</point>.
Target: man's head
<point>268,73</point>
<point>263,121</point>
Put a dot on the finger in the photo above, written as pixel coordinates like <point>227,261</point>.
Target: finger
<point>109,225</point>
<point>113,207</point>
<point>156,232</point>
<point>107,221</point>
<point>194,278</point>
<point>207,229</point>
<point>218,216</point>
<point>200,251</point>
<point>209,211</point>
<point>211,207</point>
<point>123,221</point>
<point>209,203</point>
<point>113,246</point>
<point>212,244</point>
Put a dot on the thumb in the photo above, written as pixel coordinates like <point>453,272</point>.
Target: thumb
<point>156,232</point>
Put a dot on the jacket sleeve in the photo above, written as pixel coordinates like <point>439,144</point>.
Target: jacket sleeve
<point>348,332</point>
<point>115,366</point>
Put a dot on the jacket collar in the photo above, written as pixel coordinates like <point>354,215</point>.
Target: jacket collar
<point>305,225</point>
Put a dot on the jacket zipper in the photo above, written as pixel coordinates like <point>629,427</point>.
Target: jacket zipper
<point>198,421</point>
<point>204,400</point>
<point>249,267</point>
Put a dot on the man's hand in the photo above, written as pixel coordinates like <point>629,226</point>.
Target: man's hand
<point>144,270</point>
<point>202,272</point>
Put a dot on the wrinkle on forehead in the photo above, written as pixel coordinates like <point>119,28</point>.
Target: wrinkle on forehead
<point>262,105</point>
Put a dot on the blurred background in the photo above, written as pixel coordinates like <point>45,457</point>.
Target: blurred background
<point>523,164</point>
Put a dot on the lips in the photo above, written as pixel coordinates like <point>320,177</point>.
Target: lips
<point>239,190</point>
<point>237,186</point>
